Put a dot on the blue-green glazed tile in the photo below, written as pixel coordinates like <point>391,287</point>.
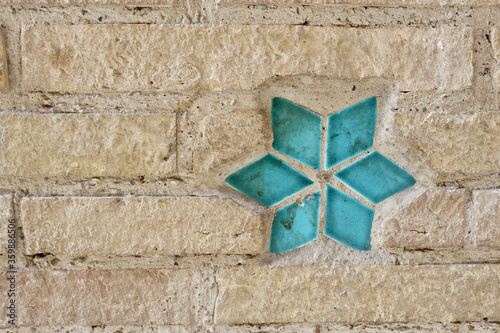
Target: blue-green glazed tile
<point>350,131</point>
<point>296,225</point>
<point>268,180</point>
<point>348,221</point>
<point>375,177</point>
<point>297,132</point>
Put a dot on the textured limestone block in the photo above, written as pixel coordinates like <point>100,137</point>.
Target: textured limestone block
<point>105,297</point>
<point>90,2</point>
<point>495,41</point>
<point>370,2</point>
<point>208,139</point>
<point>140,225</point>
<point>436,219</point>
<point>35,145</point>
<point>487,211</point>
<point>454,143</point>
<point>6,213</point>
<point>165,57</point>
<point>4,76</point>
<point>359,294</point>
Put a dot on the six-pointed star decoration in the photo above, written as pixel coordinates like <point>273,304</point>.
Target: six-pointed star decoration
<point>297,134</point>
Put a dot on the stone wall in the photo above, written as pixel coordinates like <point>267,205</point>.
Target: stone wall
<point>121,119</point>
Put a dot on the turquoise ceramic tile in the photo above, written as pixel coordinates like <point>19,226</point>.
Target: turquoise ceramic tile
<point>268,180</point>
<point>375,177</point>
<point>348,221</point>
<point>296,225</point>
<point>350,131</point>
<point>297,132</point>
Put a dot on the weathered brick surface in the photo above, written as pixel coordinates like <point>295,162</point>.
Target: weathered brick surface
<point>105,297</point>
<point>90,2</point>
<point>370,2</point>
<point>62,57</point>
<point>359,294</point>
<point>4,76</point>
<point>6,213</point>
<point>495,41</point>
<point>454,143</point>
<point>210,136</point>
<point>141,225</point>
<point>487,215</point>
<point>436,219</point>
<point>35,145</point>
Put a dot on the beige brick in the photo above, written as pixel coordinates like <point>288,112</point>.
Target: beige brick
<point>212,136</point>
<point>231,57</point>
<point>487,214</point>
<point>495,41</point>
<point>370,2</point>
<point>140,225</point>
<point>454,143</point>
<point>436,219</point>
<point>359,294</point>
<point>90,2</point>
<point>105,297</point>
<point>6,213</point>
<point>36,145</point>
<point>4,76</point>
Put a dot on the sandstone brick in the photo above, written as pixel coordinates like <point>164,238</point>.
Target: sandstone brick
<point>6,213</point>
<point>211,137</point>
<point>454,144</point>
<point>358,294</point>
<point>436,219</point>
<point>495,41</point>
<point>232,57</point>
<point>90,2</point>
<point>4,76</point>
<point>370,2</point>
<point>487,214</point>
<point>140,225</point>
<point>36,145</point>
<point>105,297</point>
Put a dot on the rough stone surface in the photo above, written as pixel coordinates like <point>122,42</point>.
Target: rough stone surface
<point>487,215</point>
<point>358,294</point>
<point>454,143</point>
<point>105,297</point>
<point>436,219</point>
<point>211,135</point>
<point>174,58</point>
<point>6,213</point>
<point>4,75</point>
<point>370,2</point>
<point>495,41</point>
<point>141,225</point>
<point>35,145</point>
<point>90,2</point>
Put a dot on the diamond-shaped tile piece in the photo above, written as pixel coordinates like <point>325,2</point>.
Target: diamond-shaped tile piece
<point>297,132</point>
<point>296,224</point>
<point>268,180</point>
<point>350,131</point>
<point>375,177</point>
<point>348,221</point>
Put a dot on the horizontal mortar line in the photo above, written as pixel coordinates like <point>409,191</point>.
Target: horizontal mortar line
<point>76,113</point>
<point>126,196</point>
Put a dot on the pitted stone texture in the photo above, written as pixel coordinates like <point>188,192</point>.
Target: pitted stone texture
<point>140,225</point>
<point>487,211</point>
<point>359,294</point>
<point>36,145</point>
<point>495,41</point>
<point>6,213</point>
<point>90,2</point>
<point>4,75</point>
<point>232,57</point>
<point>454,143</point>
<point>370,2</point>
<point>105,297</point>
<point>211,137</point>
<point>436,219</point>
